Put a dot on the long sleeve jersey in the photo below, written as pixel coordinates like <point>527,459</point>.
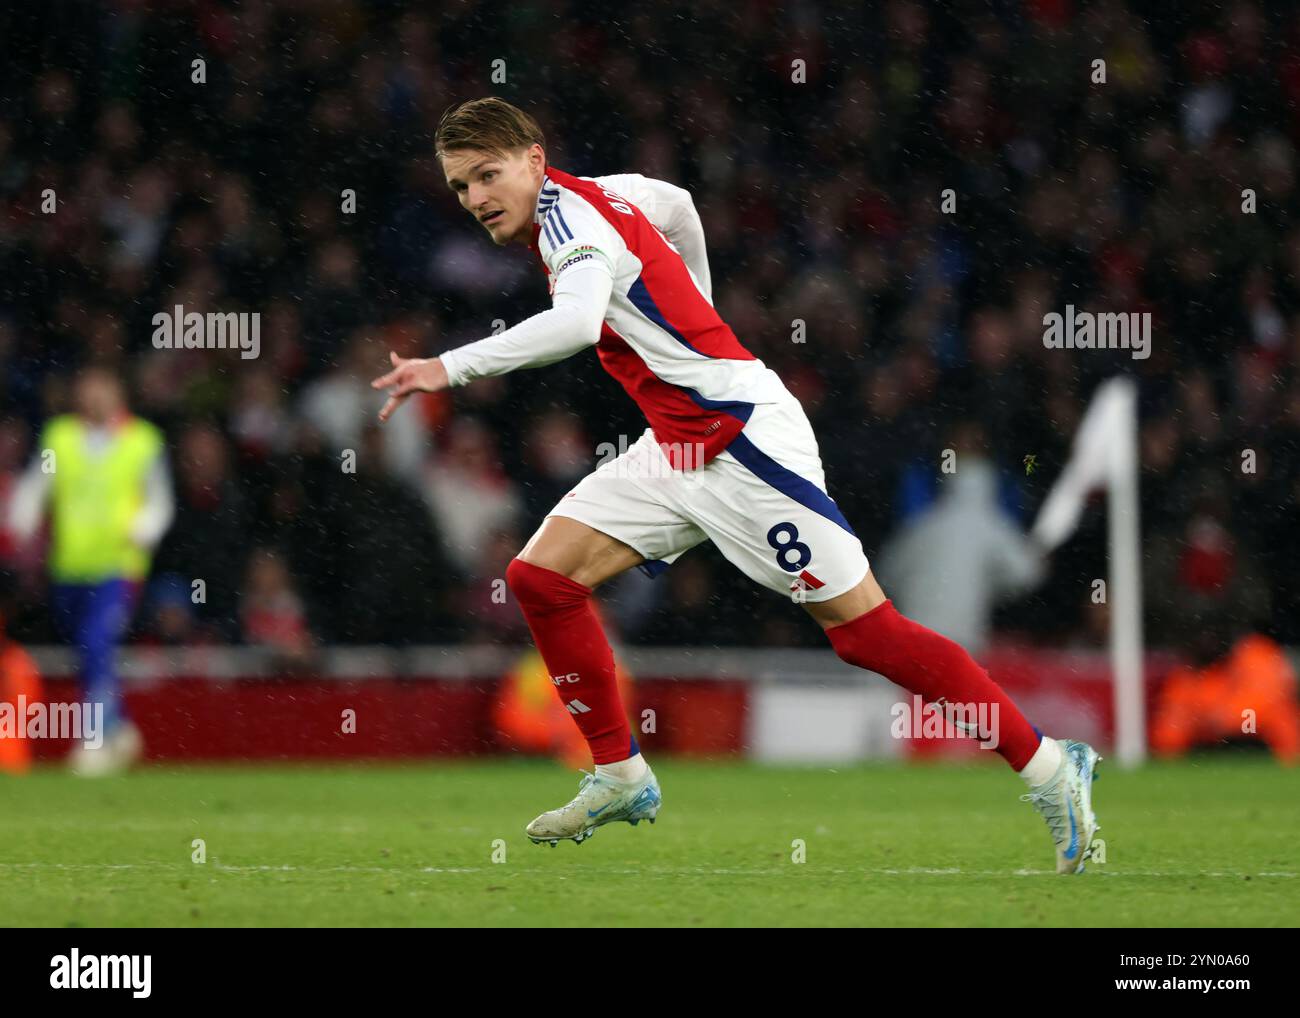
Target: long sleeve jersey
<point>628,274</point>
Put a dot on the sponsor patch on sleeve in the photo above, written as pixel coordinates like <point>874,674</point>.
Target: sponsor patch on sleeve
<point>580,254</point>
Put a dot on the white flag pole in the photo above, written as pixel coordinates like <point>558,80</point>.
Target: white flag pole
<point>1125,593</point>
<point>1105,454</point>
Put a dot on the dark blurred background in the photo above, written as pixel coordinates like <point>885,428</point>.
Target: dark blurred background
<point>820,202</point>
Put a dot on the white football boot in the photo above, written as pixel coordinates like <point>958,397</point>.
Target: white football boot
<point>600,800</point>
<point>121,748</point>
<point>1065,802</point>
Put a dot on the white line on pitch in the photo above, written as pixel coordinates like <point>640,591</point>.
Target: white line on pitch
<point>649,870</point>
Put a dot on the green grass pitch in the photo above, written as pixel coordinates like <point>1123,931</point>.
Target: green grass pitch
<point>1205,842</point>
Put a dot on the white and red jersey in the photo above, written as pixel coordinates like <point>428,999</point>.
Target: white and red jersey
<point>661,337</point>
<point>625,257</point>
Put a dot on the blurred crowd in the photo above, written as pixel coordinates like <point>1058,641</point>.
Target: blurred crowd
<point>818,139</point>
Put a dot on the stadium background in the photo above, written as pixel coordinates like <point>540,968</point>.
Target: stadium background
<point>819,202</point>
<point>372,591</point>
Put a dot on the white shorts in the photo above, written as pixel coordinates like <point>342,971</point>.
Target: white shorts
<point>762,501</point>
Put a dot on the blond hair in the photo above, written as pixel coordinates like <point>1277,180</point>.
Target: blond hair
<point>490,124</point>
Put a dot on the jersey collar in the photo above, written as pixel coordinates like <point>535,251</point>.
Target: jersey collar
<point>546,197</point>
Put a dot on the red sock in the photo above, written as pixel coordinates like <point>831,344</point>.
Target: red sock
<point>576,653</point>
<point>933,666</point>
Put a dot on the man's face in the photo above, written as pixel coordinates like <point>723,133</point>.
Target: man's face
<point>499,191</point>
<point>99,397</point>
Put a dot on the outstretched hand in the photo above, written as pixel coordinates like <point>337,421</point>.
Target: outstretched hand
<point>409,374</point>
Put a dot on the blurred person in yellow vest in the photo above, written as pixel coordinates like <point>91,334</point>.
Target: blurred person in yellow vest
<point>101,477</point>
<point>19,682</point>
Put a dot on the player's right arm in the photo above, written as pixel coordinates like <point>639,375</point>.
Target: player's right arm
<point>672,210</point>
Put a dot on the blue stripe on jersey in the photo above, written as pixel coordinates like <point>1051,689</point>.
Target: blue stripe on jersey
<point>640,297</point>
<point>786,481</point>
<point>653,567</point>
<point>739,410</point>
<point>545,203</point>
<point>551,235</point>
<point>565,232</point>
<point>545,197</point>
<point>557,230</point>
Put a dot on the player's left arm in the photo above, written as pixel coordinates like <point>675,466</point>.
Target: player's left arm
<point>573,323</point>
